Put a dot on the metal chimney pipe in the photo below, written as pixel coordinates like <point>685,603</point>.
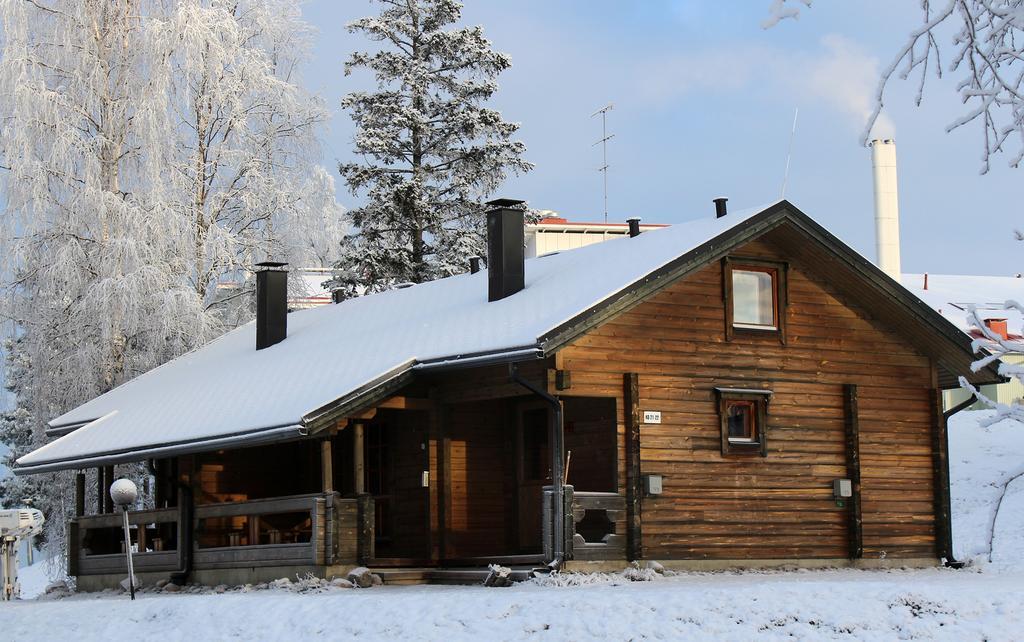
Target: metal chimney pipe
<point>271,303</point>
<point>634,226</point>
<point>506,268</point>
<point>887,207</point>
<point>474,264</point>
<point>720,208</point>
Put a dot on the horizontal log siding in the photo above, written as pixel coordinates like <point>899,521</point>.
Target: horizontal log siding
<point>780,506</point>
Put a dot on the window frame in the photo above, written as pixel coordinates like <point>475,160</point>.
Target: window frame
<point>758,400</point>
<point>780,297</point>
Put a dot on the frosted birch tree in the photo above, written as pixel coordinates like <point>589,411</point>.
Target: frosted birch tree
<point>243,164</point>
<point>430,150</point>
<point>90,251</point>
<point>151,151</point>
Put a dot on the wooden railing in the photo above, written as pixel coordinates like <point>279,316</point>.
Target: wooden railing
<point>317,529</point>
<point>595,520</point>
<point>96,542</point>
<point>299,530</point>
<point>592,524</point>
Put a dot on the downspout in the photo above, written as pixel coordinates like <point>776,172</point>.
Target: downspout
<point>185,503</point>
<point>963,405</point>
<point>952,562</point>
<point>558,487</point>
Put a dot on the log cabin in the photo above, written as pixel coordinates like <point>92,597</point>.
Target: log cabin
<point>742,389</point>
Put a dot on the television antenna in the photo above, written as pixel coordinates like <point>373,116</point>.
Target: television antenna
<point>789,152</point>
<point>605,137</point>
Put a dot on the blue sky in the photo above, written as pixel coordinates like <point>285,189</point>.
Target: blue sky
<point>704,101</point>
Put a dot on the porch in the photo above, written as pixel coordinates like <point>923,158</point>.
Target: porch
<point>417,485</point>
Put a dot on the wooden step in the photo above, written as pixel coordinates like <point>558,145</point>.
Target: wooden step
<point>460,576</point>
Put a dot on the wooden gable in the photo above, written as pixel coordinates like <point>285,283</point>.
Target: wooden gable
<point>780,505</point>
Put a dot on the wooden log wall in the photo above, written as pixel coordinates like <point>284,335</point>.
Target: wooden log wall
<point>779,506</point>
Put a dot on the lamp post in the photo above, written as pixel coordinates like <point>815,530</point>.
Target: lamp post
<point>124,493</point>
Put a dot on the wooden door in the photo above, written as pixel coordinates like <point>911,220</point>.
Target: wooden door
<point>533,472</point>
<point>396,457</point>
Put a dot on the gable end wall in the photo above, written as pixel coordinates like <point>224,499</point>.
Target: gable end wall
<point>779,506</point>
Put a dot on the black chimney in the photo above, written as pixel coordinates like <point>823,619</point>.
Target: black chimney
<point>720,209</point>
<point>634,226</point>
<point>505,254</point>
<point>474,264</point>
<point>271,304</point>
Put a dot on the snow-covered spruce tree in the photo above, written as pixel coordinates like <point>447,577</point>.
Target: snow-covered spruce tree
<point>431,150</point>
<point>984,43</point>
<point>149,150</point>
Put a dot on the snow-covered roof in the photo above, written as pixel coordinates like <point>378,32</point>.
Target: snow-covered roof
<point>228,393</point>
<point>228,388</point>
<point>951,294</point>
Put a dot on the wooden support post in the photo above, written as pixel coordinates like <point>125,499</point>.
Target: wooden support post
<point>434,499</point>
<point>326,466</point>
<point>358,458</point>
<point>74,547</point>
<point>101,489</point>
<point>852,423</point>
<point>140,537</point>
<point>108,479</point>
<point>254,530</point>
<point>631,409</point>
<point>365,544</point>
<point>940,468</point>
<point>79,493</point>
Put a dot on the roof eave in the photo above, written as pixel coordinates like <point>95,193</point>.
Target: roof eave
<point>270,434</point>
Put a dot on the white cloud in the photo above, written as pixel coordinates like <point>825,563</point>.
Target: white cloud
<point>846,77</point>
<point>841,74</point>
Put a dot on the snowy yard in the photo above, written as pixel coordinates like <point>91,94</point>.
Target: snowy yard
<point>982,602</point>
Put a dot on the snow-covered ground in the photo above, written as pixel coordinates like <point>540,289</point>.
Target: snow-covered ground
<point>985,601</point>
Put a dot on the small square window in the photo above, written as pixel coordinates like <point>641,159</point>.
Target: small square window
<point>755,297</point>
<point>744,415</point>
<point>742,421</point>
<point>753,293</point>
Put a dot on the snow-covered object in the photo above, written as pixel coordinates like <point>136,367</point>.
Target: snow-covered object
<point>362,577</point>
<point>952,294</point>
<point>228,391</point>
<point>228,388</point>
<point>429,148</point>
<point>149,151</point>
<point>982,602</point>
<point>124,492</point>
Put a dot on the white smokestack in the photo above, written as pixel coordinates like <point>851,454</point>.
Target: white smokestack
<point>887,207</point>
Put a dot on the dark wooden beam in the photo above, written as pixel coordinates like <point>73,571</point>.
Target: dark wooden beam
<point>108,479</point>
<point>940,469</point>
<point>100,489</point>
<point>79,493</point>
<point>631,409</point>
<point>852,422</point>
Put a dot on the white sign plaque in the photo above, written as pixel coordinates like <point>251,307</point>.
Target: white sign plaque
<point>652,416</point>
